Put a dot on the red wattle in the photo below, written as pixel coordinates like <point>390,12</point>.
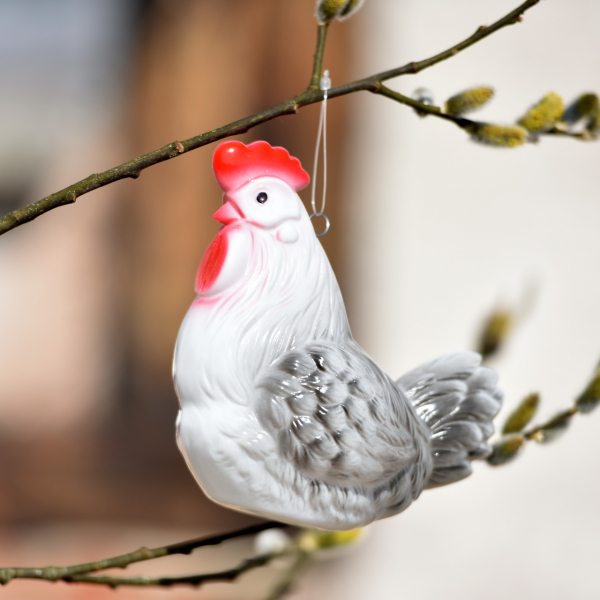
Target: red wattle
<point>212,262</point>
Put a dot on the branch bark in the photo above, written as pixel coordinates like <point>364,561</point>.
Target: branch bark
<point>424,109</point>
<point>69,573</point>
<point>319,54</point>
<point>228,575</point>
<point>300,564</point>
<point>311,95</point>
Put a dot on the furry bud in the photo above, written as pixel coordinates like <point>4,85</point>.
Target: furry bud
<point>506,450</point>
<point>497,135</point>
<point>272,541</point>
<point>424,96</point>
<point>350,8</point>
<point>590,397</point>
<point>544,115</point>
<point>587,106</point>
<point>325,542</point>
<point>468,100</point>
<point>495,331</point>
<point>328,10</point>
<point>522,415</point>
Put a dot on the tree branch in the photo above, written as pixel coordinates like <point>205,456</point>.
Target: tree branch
<point>311,95</point>
<point>301,562</point>
<point>228,575</point>
<point>467,124</point>
<point>515,433</point>
<point>481,33</point>
<point>559,421</point>
<point>434,111</point>
<point>124,560</point>
<point>319,53</point>
<point>585,135</point>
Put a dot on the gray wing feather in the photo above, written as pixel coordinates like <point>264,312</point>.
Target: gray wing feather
<point>448,367</point>
<point>336,416</point>
<point>457,399</point>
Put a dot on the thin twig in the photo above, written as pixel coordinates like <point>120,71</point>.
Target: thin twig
<point>578,135</point>
<point>424,108</point>
<point>319,54</point>
<point>481,33</point>
<point>301,562</point>
<point>122,561</point>
<point>537,433</point>
<point>227,575</point>
<point>133,168</point>
<point>515,434</point>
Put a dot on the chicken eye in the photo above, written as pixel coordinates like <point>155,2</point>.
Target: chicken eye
<point>262,197</point>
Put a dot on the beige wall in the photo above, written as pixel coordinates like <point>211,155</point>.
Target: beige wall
<point>440,229</point>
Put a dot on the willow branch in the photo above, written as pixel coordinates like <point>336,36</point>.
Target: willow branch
<point>424,109</point>
<point>580,135</point>
<point>515,433</point>
<point>481,33</point>
<point>510,445</point>
<point>467,124</point>
<point>124,560</point>
<point>301,562</point>
<point>319,54</point>
<point>228,575</point>
<point>559,420</point>
<point>311,95</point>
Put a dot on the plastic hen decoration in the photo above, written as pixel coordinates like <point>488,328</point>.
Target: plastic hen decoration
<point>283,415</point>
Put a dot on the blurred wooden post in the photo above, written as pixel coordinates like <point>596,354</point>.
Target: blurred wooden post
<point>201,64</point>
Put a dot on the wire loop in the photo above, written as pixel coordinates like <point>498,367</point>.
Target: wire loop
<point>325,85</point>
<point>327,223</point>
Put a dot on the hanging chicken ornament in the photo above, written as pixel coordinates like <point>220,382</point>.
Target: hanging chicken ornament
<point>283,415</point>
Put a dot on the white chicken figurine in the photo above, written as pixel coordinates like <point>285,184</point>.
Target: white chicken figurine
<point>283,415</point>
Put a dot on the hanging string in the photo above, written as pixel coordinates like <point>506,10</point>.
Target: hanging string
<point>325,85</point>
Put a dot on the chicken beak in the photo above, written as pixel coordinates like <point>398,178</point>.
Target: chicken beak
<point>228,213</point>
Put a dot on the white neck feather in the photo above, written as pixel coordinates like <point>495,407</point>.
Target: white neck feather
<point>287,298</point>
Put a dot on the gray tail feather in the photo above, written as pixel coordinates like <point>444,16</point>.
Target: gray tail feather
<point>457,399</point>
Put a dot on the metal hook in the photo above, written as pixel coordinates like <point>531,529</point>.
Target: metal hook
<point>327,223</point>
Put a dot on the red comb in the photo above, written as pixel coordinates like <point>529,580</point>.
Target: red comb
<point>235,164</point>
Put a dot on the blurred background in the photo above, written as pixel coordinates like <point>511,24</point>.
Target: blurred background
<point>429,233</point>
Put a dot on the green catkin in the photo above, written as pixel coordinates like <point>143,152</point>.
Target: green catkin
<point>588,105</point>
<point>506,450</point>
<point>544,115</point>
<point>327,10</point>
<point>590,397</point>
<point>351,8</point>
<point>468,100</point>
<point>496,330</point>
<point>498,135</point>
<point>522,415</point>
